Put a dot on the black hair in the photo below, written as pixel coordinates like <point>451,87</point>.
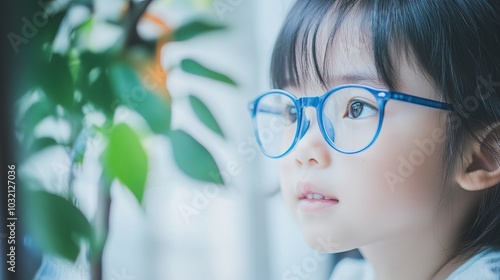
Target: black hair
<point>455,43</point>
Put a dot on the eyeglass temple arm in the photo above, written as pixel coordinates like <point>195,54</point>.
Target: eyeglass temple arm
<point>264,109</point>
<point>420,101</point>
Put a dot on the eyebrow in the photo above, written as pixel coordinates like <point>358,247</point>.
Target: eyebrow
<point>357,78</point>
<point>361,78</point>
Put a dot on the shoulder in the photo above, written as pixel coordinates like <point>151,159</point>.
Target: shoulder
<point>483,266</point>
<point>352,269</point>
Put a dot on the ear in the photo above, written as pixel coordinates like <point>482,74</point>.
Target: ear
<point>480,168</point>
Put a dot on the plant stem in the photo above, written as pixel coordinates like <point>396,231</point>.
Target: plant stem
<point>135,12</point>
<point>101,227</point>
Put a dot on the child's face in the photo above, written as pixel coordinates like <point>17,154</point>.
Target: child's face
<point>393,188</point>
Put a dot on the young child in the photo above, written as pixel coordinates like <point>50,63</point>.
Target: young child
<point>386,120</point>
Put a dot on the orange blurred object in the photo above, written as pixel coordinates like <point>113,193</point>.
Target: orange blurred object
<point>152,72</point>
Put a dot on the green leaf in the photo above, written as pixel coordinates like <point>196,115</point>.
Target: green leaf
<point>74,63</point>
<point>49,31</point>
<point>39,144</point>
<point>195,68</point>
<point>85,26</point>
<point>126,159</point>
<point>205,115</point>
<point>35,114</point>
<point>90,60</point>
<point>57,82</point>
<point>101,93</point>
<point>95,83</point>
<point>33,56</point>
<point>194,28</point>
<point>193,159</point>
<point>56,224</point>
<point>126,84</point>
<point>156,111</point>
<point>88,3</point>
<point>153,108</point>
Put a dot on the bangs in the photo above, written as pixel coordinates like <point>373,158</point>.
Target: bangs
<point>300,57</point>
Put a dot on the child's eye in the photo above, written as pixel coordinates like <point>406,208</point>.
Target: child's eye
<point>358,109</point>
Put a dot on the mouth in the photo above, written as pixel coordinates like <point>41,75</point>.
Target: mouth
<point>311,198</point>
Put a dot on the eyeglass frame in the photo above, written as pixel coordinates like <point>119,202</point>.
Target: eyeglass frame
<point>382,96</point>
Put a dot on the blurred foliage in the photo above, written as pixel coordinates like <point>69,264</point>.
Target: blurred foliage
<point>57,231</point>
<point>205,115</point>
<point>69,81</point>
<point>195,68</point>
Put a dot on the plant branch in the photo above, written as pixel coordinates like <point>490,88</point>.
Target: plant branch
<point>101,227</point>
<point>135,12</point>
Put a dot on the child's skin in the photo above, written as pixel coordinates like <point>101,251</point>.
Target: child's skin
<point>406,232</point>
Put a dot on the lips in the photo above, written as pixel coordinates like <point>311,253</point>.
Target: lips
<point>311,198</point>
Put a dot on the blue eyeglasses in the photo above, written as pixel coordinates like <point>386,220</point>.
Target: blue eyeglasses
<point>349,117</point>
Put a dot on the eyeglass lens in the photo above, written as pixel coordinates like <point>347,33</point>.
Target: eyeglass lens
<point>349,119</point>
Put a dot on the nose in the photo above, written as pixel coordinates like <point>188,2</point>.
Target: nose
<point>311,150</point>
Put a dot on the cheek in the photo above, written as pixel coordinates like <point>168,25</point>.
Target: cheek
<point>393,187</point>
<point>397,180</point>
<point>415,146</point>
<point>405,168</point>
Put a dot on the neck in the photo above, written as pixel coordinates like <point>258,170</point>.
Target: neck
<point>424,252</point>
<point>413,257</point>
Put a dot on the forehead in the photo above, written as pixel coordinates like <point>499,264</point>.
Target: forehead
<point>338,50</point>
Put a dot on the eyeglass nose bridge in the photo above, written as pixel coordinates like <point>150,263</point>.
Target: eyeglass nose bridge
<point>303,103</point>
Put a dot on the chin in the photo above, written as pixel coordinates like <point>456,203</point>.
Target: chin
<point>324,245</point>
<point>324,241</point>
